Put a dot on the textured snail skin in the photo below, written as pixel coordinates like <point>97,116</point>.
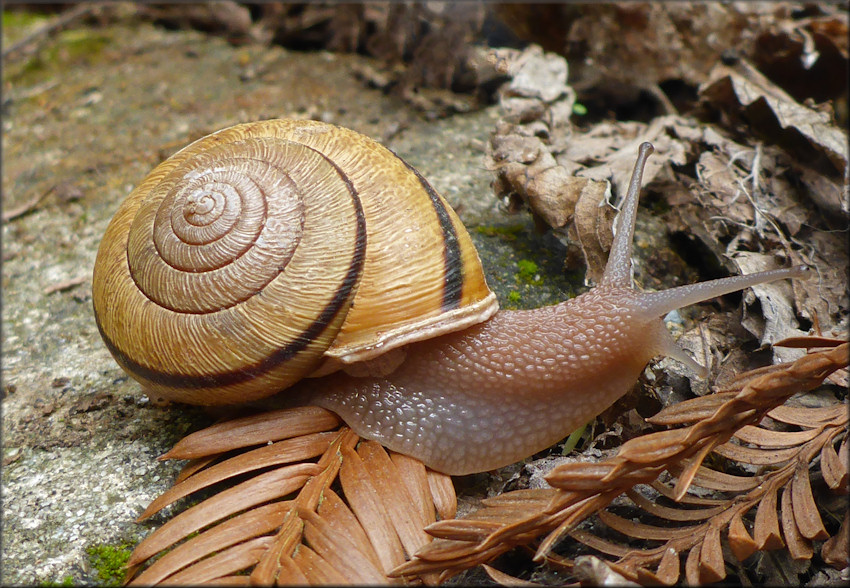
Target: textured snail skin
<point>502,390</point>
<point>462,389</point>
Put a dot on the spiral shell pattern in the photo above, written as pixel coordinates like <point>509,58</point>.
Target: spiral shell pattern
<point>214,227</point>
<point>235,268</point>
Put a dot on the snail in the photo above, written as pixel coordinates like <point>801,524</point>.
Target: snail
<point>303,259</point>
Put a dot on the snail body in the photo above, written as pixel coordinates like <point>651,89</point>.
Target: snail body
<point>406,344</point>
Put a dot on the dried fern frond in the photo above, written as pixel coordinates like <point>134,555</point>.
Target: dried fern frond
<point>766,470</point>
<point>283,517</point>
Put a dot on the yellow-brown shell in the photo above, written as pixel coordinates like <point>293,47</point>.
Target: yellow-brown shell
<point>258,253</point>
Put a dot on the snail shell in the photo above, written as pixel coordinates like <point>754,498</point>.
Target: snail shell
<point>276,250</point>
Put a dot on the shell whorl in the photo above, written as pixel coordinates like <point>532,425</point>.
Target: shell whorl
<point>231,271</point>
<point>228,223</point>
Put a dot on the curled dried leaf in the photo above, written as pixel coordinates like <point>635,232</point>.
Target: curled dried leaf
<point>712,567</point>
<point>669,567</point>
<point>223,564</point>
<point>641,530</point>
<point>743,86</point>
<point>253,523</point>
<point>362,496</point>
<point>805,510</point>
<point>834,468</point>
<point>339,551</point>
<point>284,452</point>
<point>692,567</point>
<point>505,579</point>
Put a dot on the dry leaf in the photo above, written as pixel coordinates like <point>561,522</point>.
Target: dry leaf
<point>744,86</point>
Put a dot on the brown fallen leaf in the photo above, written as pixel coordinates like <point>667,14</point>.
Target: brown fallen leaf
<point>592,227</point>
<point>743,86</point>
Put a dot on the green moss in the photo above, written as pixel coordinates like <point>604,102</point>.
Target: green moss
<point>579,109</point>
<point>17,23</point>
<point>110,562</point>
<point>82,43</point>
<point>529,272</point>
<point>508,233</point>
<point>70,47</point>
<point>514,298</point>
<point>66,581</point>
<point>506,251</point>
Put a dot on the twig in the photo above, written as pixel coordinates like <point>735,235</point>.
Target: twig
<point>64,285</point>
<point>28,206</point>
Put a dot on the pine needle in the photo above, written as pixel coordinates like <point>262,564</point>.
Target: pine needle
<point>278,518</point>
